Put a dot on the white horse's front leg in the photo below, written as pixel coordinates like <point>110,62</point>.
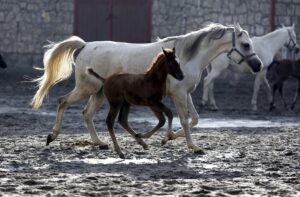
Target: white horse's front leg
<point>269,91</point>
<point>258,80</point>
<point>194,121</point>
<point>181,103</point>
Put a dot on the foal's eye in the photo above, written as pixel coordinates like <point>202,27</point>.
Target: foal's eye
<point>246,46</point>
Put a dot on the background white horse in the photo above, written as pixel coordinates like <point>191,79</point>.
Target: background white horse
<point>195,50</point>
<point>266,47</point>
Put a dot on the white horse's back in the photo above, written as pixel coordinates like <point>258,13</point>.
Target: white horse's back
<point>107,57</point>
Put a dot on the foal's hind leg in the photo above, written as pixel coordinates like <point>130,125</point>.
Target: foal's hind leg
<point>64,102</point>
<point>93,105</point>
<point>110,120</point>
<point>123,120</point>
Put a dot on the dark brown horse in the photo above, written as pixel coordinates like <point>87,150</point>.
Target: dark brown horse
<point>278,72</point>
<point>2,62</point>
<point>122,90</point>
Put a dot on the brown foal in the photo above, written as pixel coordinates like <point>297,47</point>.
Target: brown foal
<point>278,72</point>
<point>122,90</point>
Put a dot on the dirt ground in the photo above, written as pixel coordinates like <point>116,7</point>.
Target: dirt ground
<point>240,160</point>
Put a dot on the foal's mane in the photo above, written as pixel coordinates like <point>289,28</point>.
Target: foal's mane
<point>156,63</point>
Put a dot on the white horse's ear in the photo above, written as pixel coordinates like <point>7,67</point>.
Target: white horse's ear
<point>282,25</point>
<point>293,26</point>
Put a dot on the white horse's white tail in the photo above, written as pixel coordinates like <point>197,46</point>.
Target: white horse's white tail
<point>58,60</point>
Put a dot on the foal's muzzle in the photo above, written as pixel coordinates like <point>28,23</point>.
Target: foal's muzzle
<point>179,76</point>
<point>255,64</point>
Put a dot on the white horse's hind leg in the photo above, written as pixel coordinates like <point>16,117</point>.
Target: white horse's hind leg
<point>64,102</point>
<point>94,103</point>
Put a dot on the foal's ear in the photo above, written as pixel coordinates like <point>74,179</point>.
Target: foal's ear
<point>173,50</point>
<point>166,53</point>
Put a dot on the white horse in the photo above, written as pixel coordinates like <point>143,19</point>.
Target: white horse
<point>266,47</point>
<point>195,50</point>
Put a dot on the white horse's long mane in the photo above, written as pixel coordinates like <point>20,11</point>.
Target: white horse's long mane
<point>190,42</point>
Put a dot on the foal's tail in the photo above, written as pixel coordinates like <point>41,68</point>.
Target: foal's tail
<point>58,60</point>
<point>92,72</point>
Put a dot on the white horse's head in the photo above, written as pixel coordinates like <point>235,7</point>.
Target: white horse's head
<point>239,46</point>
<point>242,49</point>
<point>291,41</point>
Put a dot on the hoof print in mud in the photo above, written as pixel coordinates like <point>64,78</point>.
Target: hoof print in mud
<point>103,147</point>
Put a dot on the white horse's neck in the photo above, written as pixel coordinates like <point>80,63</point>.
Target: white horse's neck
<point>274,41</point>
<point>206,52</point>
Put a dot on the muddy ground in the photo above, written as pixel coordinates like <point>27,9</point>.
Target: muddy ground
<point>261,159</point>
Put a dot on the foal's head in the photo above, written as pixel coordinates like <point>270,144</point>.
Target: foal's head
<point>167,61</point>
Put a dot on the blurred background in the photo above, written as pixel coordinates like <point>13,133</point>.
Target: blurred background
<point>26,25</point>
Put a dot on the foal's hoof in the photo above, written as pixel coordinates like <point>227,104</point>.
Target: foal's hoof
<point>103,147</point>
<point>199,152</point>
<point>138,135</point>
<point>49,139</point>
<point>146,147</point>
<point>163,142</point>
<point>121,155</point>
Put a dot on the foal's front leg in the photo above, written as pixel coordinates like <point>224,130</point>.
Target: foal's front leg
<point>123,120</point>
<point>274,89</point>
<point>161,122</point>
<point>158,109</point>
<point>280,89</point>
